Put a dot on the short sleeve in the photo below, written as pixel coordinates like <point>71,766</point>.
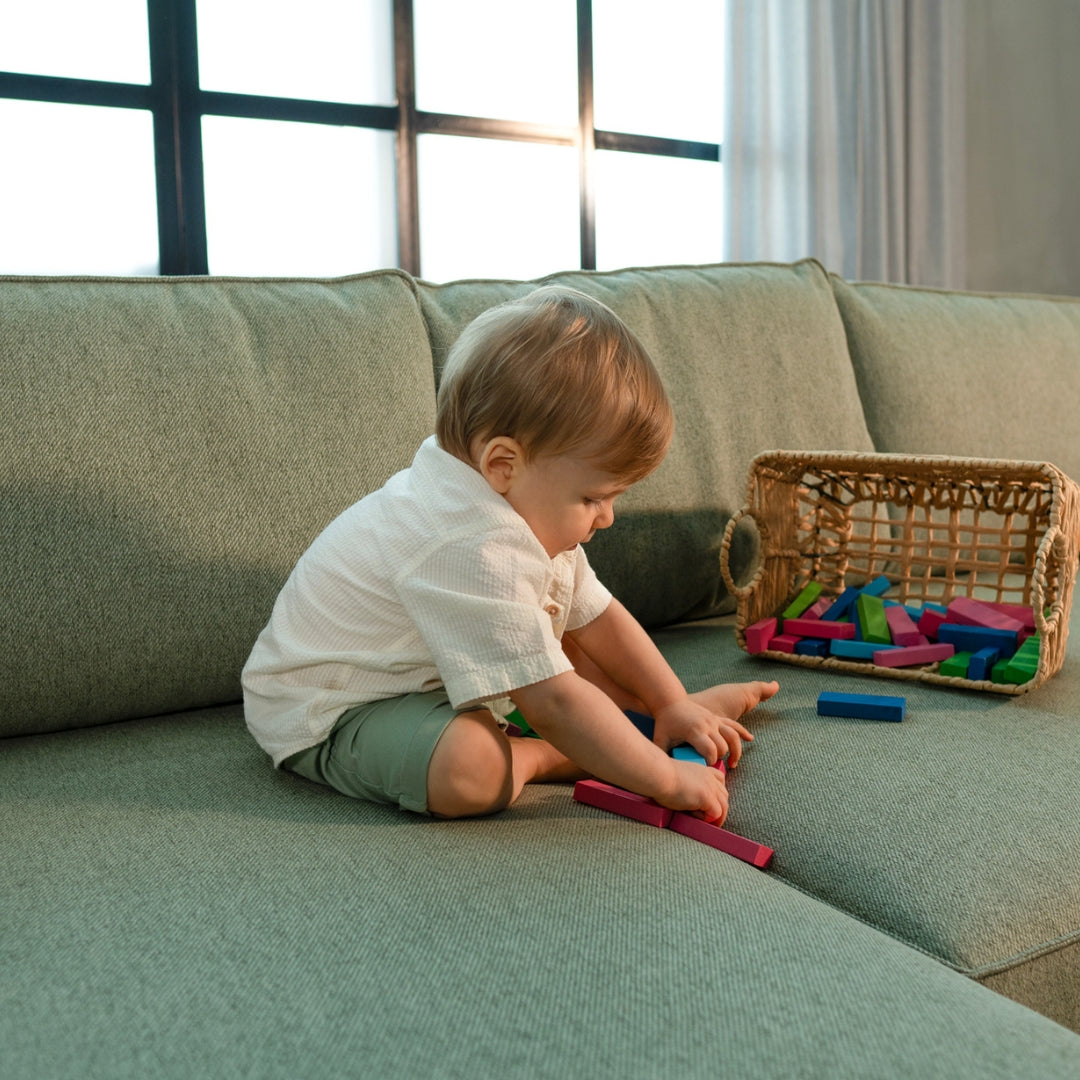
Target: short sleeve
<point>478,605</point>
<point>591,597</point>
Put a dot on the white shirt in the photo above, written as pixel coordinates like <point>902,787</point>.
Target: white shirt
<point>432,581</point>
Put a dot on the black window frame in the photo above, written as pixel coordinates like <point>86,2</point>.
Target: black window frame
<point>177,104</point>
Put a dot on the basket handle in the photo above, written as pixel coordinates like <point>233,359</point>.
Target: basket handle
<point>1054,542</point>
<point>740,591</point>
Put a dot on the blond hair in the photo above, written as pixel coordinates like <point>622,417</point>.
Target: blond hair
<point>561,373</point>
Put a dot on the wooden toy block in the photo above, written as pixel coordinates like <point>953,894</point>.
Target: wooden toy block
<point>930,620</point>
<point>872,622</point>
<point>902,630</point>
<point>784,643</point>
<point>818,608</point>
<point>812,647</point>
<point>642,721</point>
<point>1024,665</point>
<point>818,628</point>
<point>973,638</point>
<point>968,612</point>
<point>1022,613</point>
<point>685,752</point>
<point>981,664</point>
<point>997,672</point>
<point>857,650</point>
<point>956,666</point>
<point>809,594</point>
<point>878,587</point>
<point>748,850</point>
<point>861,706</point>
<point>626,803</point>
<point>842,605</point>
<point>760,635</point>
<point>913,655</point>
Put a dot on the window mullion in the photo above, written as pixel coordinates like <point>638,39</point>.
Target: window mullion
<point>586,136</point>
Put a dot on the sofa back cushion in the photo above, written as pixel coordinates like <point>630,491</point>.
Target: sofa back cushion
<point>966,374</point>
<point>754,359</point>
<point>168,448</point>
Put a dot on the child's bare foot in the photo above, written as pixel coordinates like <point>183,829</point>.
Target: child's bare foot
<point>536,761</point>
<point>734,700</point>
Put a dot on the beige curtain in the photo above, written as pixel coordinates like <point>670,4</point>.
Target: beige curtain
<point>844,136</point>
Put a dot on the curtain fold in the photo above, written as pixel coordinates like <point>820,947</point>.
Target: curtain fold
<point>844,136</point>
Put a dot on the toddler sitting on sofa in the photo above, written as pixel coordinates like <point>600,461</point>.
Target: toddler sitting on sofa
<point>435,605</point>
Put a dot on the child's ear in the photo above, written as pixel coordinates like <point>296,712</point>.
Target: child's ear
<point>501,461</point>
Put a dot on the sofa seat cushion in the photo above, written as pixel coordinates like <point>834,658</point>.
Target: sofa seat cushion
<point>244,922</point>
<point>954,831</point>
<point>753,357</point>
<point>966,374</point>
<point>168,448</point>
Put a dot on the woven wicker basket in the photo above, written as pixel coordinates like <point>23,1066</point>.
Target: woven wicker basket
<point>937,527</point>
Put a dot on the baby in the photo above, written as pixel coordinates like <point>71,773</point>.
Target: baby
<point>431,608</point>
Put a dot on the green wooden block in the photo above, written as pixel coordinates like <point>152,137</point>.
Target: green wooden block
<point>872,621</point>
<point>997,672</point>
<point>956,666</point>
<point>801,602</point>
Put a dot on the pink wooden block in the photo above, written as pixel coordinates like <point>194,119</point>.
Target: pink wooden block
<point>756,854</point>
<point>815,611</point>
<point>969,612</point>
<point>913,654</point>
<point>759,635</point>
<point>617,801</point>
<point>901,627</point>
<point>1023,614</point>
<point>929,622</point>
<point>785,642</point>
<point>815,628</point>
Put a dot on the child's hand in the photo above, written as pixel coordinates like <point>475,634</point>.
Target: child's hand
<point>711,735</point>
<point>697,789</point>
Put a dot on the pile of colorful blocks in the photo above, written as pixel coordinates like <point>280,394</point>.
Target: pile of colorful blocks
<point>968,639</point>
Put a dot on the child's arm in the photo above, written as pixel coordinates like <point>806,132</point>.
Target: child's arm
<point>618,645</point>
<point>580,720</point>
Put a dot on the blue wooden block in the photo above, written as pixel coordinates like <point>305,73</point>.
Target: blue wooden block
<point>973,639</point>
<point>878,587</point>
<point>841,605</point>
<point>856,650</point>
<point>644,724</point>
<point>982,663</point>
<point>812,647</point>
<point>686,752</point>
<point>862,706</point>
<point>940,609</point>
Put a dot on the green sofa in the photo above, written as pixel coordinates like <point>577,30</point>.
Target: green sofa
<point>171,906</point>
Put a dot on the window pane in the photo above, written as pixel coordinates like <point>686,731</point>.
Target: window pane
<point>655,210</point>
<point>297,199</point>
<point>496,209</point>
<point>505,59</point>
<point>106,39</point>
<point>658,68</point>
<point>81,200</point>
<point>323,50</point>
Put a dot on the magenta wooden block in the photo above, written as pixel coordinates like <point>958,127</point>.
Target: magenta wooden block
<point>816,628</point>
<point>815,611</point>
<point>902,628</point>
<point>912,655</point>
<point>748,850</point>
<point>930,621</point>
<point>785,642</point>
<point>759,635</point>
<point>617,801</point>
<point>1023,614</point>
<point>969,612</point>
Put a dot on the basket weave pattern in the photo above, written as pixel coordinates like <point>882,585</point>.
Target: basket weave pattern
<point>937,527</point>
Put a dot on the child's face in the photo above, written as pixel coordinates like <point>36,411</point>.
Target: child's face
<point>564,500</point>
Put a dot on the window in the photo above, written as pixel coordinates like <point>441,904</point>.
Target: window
<point>452,138</point>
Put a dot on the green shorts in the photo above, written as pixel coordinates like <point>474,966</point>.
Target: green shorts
<point>381,751</point>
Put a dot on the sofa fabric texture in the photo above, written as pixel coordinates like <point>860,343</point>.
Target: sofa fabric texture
<point>168,448</point>
<point>172,906</point>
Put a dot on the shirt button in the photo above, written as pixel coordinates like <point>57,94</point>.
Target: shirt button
<point>552,610</point>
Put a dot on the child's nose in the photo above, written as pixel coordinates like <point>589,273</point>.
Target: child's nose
<point>604,517</point>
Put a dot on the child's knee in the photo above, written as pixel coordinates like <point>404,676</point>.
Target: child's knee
<point>470,772</point>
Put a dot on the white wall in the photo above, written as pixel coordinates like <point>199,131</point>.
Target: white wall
<point>1023,145</point>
